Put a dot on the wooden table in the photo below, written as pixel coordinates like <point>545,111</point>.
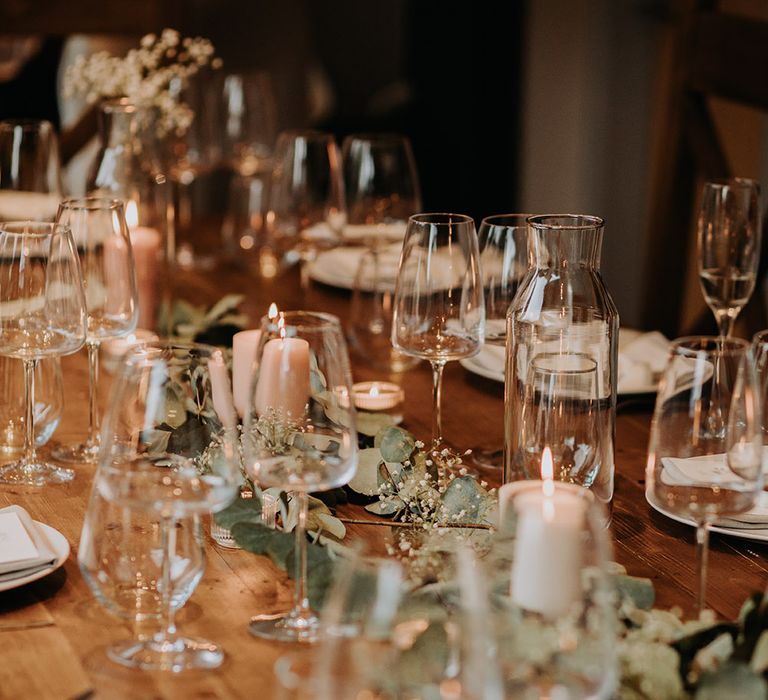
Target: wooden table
<point>65,658</point>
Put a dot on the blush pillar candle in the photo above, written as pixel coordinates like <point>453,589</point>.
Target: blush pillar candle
<point>284,377</point>
<point>146,244</point>
<point>546,570</point>
<point>244,347</point>
<point>221,391</point>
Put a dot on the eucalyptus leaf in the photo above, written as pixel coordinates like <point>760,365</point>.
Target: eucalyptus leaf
<point>366,479</point>
<point>732,681</point>
<point>396,444</point>
<point>465,501</point>
<point>156,441</point>
<point>385,509</point>
<point>426,661</point>
<point>223,306</point>
<point>174,411</point>
<point>241,510</point>
<point>332,525</point>
<point>256,537</point>
<point>639,590</point>
<point>371,424</point>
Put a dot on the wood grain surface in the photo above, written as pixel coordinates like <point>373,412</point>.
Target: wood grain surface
<point>53,632</point>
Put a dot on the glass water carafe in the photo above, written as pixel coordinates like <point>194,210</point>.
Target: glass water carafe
<point>561,318</point>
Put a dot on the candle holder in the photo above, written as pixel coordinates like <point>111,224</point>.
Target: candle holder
<point>554,600</point>
<point>379,397</point>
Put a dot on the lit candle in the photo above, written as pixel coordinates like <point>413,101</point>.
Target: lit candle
<point>546,570</point>
<point>283,383</point>
<point>244,347</point>
<point>221,390</point>
<point>114,349</point>
<point>377,396</point>
<point>146,243</point>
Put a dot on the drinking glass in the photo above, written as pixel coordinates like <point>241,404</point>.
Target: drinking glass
<point>299,434</point>
<point>169,451</point>
<point>306,200</point>
<point>30,172</point>
<point>381,186</point>
<point>42,314</point>
<point>101,236</point>
<point>439,310</point>
<point>693,471</point>
<point>561,412</point>
<point>729,247</point>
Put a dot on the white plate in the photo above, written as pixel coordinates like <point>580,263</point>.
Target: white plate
<point>338,267</point>
<point>60,547</point>
<point>758,535</point>
<point>626,335</point>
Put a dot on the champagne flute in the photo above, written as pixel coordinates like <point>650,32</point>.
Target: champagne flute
<point>169,451</point>
<point>693,471</point>
<point>101,236</point>
<point>306,199</point>
<point>439,310</point>
<point>299,435</point>
<point>729,247</point>
<point>381,185</point>
<point>42,314</point>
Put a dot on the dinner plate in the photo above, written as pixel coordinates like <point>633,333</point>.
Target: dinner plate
<point>60,548</point>
<point>487,364</point>
<point>338,267</point>
<point>755,534</point>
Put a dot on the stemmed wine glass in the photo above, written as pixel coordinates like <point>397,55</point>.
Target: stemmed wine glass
<point>42,314</point>
<point>439,310</point>
<point>504,258</point>
<point>169,451</point>
<point>692,471</point>
<point>306,199</point>
<point>729,247</point>
<point>101,236</point>
<point>381,186</point>
<point>299,434</point>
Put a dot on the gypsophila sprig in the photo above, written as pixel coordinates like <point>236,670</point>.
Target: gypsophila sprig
<point>151,75</point>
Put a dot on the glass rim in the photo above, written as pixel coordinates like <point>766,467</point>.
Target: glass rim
<point>721,183</point>
<point>578,222</point>
<point>137,352</point>
<point>694,345</point>
<point>91,203</point>
<point>53,228</point>
<point>760,337</point>
<point>308,134</point>
<point>506,220</point>
<point>317,319</point>
<point>118,104</point>
<point>27,124</point>
<point>566,371</point>
<point>449,218</point>
<point>374,137</point>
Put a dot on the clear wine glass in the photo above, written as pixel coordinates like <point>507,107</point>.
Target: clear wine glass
<point>306,200</point>
<point>504,259</point>
<point>299,434</point>
<point>101,236</point>
<point>729,247</point>
<point>30,171</point>
<point>170,451</point>
<point>692,471</point>
<point>42,314</point>
<point>382,187</point>
<point>439,310</point>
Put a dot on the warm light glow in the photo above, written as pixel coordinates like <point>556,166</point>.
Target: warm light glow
<point>131,214</point>
<point>272,313</point>
<point>281,325</point>
<point>548,485</point>
<point>374,390</point>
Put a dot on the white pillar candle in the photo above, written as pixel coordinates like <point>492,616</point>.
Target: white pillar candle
<point>283,383</point>
<point>546,570</point>
<point>221,391</point>
<point>244,347</point>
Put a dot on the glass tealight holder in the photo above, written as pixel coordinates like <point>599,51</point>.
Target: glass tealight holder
<point>552,597</point>
<point>379,397</point>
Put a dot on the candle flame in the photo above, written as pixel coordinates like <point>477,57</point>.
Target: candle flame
<point>272,313</point>
<point>281,326</point>
<point>374,390</point>
<point>131,214</point>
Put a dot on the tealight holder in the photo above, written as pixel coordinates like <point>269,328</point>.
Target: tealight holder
<point>379,397</point>
<point>112,351</point>
<point>269,510</point>
<point>552,594</point>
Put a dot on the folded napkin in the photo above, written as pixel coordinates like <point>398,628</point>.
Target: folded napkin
<point>642,359</point>
<point>714,469</point>
<point>341,264</point>
<point>358,233</point>
<point>24,549</point>
<point>28,206</point>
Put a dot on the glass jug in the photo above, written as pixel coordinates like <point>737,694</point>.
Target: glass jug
<point>561,315</point>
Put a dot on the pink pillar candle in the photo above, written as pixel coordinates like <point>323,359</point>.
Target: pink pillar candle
<point>146,244</point>
<point>244,347</point>
<point>221,391</point>
<point>283,382</point>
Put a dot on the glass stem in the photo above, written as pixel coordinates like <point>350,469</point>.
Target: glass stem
<point>304,274</point>
<point>29,412</point>
<point>702,556</point>
<point>437,390</point>
<point>725,324</point>
<point>93,381</point>
<point>167,545</point>
<point>300,599</point>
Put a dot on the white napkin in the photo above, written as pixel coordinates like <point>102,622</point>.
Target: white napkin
<point>24,549</point>
<point>642,360</point>
<point>28,206</point>
<point>356,233</point>
<point>341,264</point>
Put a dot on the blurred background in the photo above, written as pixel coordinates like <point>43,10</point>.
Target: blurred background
<point>619,108</point>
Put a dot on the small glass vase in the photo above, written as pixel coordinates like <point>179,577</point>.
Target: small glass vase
<point>562,311</point>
